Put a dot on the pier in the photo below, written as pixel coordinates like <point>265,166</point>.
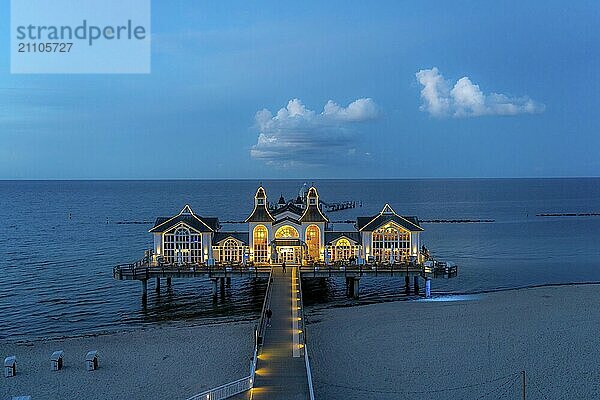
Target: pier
<point>285,243</point>
<point>281,370</point>
<point>280,364</point>
<point>144,270</point>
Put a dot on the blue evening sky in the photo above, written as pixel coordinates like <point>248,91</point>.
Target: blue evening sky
<point>216,64</point>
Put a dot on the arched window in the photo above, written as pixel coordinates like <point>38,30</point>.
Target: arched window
<point>182,245</point>
<point>260,238</point>
<point>313,242</point>
<point>286,231</point>
<point>343,250</point>
<point>390,240</point>
<point>231,251</point>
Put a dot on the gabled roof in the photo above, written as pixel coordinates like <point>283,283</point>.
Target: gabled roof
<point>288,219</point>
<point>186,216</point>
<point>332,236</point>
<point>388,215</point>
<point>222,236</point>
<point>260,212</point>
<point>288,207</point>
<point>313,214</point>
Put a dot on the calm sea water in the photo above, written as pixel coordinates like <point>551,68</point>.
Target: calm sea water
<point>60,240</point>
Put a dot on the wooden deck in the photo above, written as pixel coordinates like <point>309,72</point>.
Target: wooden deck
<point>357,271</point>
<point>281,370</point>
<point>141,270</point>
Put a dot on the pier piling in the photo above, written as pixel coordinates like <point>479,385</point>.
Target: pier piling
<point>355,287</point>
<point>169,282</point>
<point>228,281</point>
<point>416,284</point>
<point>348,293</point>
<point>157,285</point>
<point>214,289</point>
<point>144,289</point>
<point>407,284</point>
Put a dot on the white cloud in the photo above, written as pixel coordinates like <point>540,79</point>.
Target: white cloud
<point>466,99</point>
<point>296,135</point>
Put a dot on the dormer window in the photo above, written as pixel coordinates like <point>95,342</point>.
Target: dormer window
<point>313,202</point>
<point>261,202</point>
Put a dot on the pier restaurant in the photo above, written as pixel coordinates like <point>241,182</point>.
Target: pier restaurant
<point>296,232</point>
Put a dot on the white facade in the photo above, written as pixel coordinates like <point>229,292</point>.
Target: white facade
<point>294,232</point>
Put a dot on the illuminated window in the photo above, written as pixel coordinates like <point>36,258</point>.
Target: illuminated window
<point>342,250</point>
<point>182,246</point>
<point>286,232</point>
<point>231,251</point>
<point>313,242</point>
<point>261,244</point>
<point>388,241</point>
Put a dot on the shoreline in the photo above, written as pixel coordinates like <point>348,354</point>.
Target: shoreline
<point>449,341</point>
<point>435,295</point>
<point>148,327</point>
<point>316,307</point>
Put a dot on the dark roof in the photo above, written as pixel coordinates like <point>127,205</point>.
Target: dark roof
<point>376,221</point>
<point>288,207</point>
<point>313,214</point>
<point>281,200</point>
<point>290,219</point>
<point>241,236</point>
<point>196,222</point>
<point>260,214</point>
<point>331,236</point>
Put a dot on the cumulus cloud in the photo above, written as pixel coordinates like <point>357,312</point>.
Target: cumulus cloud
<point>296,135</point>
<point>466,99</point>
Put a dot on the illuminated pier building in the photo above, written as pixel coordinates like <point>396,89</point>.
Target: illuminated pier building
<point>296,232</point>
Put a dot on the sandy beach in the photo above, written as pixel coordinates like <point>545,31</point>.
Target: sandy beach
<point>469,348</point>
<point>456,347</point>
<point>157,363</point>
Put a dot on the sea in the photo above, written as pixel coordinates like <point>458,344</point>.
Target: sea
<point>59,241</point>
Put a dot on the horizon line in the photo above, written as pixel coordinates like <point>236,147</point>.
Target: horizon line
<point>285,179</point>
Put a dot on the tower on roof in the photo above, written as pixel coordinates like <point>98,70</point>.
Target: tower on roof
<point>312,196</point>
<point>312,212</point>
<point>260,212</point>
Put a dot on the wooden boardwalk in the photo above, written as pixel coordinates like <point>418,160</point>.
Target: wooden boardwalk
<point>281,370</point>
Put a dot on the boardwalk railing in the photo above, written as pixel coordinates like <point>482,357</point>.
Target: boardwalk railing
<point>140,270</point>
<point>353,269</point>
<point>262,321</point>
<point>246,383</point>
<point>303,335</point>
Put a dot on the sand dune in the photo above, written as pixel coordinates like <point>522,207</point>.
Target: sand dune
<point>466,349</point>
<point>158,363</point>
